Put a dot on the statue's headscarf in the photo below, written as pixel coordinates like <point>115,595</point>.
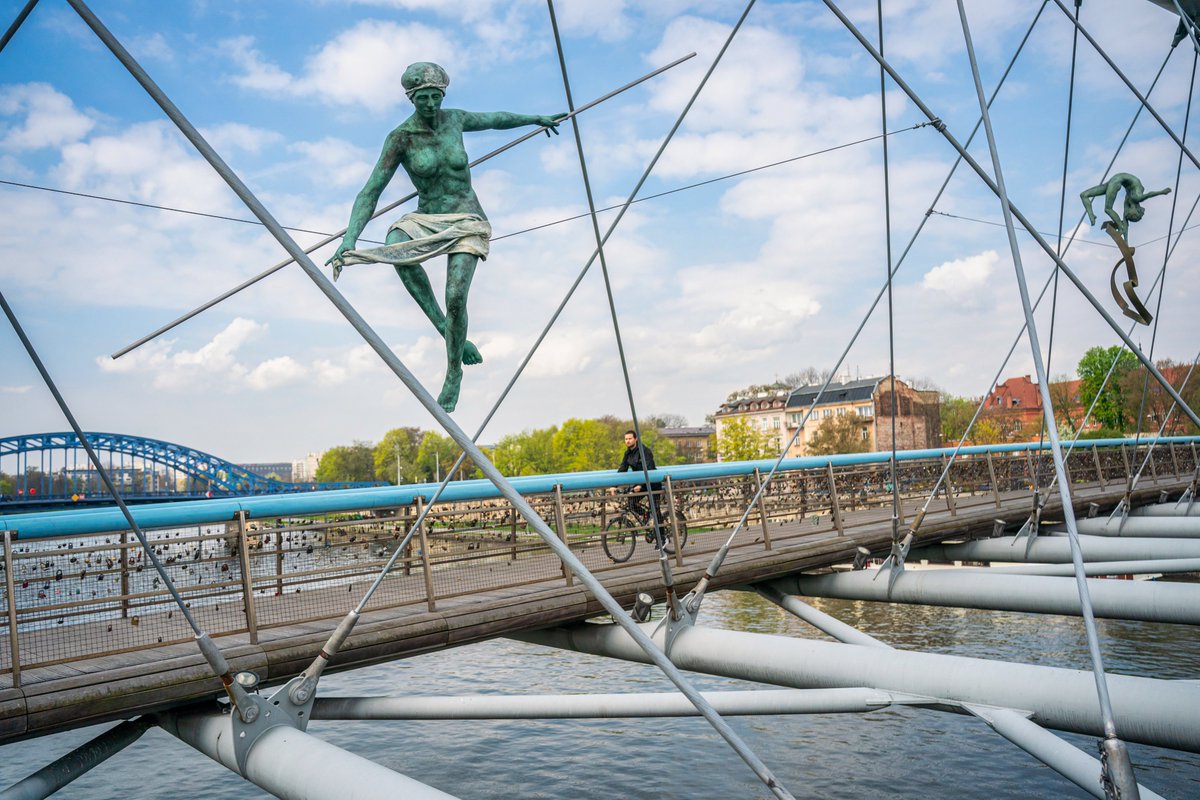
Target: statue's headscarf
<point>424,75</point>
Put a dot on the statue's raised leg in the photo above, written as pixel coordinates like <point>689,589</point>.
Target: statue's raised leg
<point>417,283</point>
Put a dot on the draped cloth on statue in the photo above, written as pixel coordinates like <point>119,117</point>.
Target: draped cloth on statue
<point>430,235</point>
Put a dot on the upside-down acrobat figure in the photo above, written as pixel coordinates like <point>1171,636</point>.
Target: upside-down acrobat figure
<point>1117,226</point>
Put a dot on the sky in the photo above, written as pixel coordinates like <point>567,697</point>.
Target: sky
<point>739,281</point>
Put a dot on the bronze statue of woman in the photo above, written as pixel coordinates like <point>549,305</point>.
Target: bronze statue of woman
<point>448,219</point>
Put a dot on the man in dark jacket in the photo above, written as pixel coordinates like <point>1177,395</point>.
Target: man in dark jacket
<point>632,462</point>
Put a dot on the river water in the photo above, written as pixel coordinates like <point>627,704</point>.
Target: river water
<point>892,753</point>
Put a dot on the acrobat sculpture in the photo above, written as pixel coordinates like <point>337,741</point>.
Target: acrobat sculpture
<point>1135,193</point>
<point>448,219</point>
<point>1118,228</point>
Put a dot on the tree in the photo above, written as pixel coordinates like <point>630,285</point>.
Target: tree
<point>1068,412</point>
<point>956,415</point>
<point>807,376</point>
<point>1112,404</point>
<point>527,453</point>
<point>586,444</point>
<point>353,463</point>
<point>665,421</point>
<point>839,434</point>
<point>396,455</point>
<point>436,455</point>
<point>1158,402</point>
<point>738,441</point>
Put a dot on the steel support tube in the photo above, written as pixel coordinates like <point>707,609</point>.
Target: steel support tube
<point>1155,527</point>
<point>1064,758</point>
<point>1167,510</point>
<point>1152,711</point>
<point>606,706</point>
<point>57,774</point>
<point>1146,601</point>
<point>1056,549</point>
<point>294,765</point>
<point>1016,212</point>
<point>784,596</point>
<point>1095,568</point>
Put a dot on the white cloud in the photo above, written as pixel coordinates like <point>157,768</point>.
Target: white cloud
<point>51,119</point>
<point>212,366</point>
<point>154,47</point>
<point>336,161</point>
<point>276,372</point>
<point>234,135</point>
<point>360,67</point>
<point>962,275</point>
<point>148,162</point>
<point>15,389</point>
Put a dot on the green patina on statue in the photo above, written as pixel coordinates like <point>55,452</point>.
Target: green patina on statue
<point>1135,193</point>
<point>448,219</point>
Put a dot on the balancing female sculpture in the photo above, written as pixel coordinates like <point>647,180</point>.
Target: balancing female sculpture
<point>448,219</point>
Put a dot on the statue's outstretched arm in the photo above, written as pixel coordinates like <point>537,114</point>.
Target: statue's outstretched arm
<point>368,198</point>
<point>504,120</point>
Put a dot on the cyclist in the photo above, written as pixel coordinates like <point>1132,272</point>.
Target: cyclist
<point>637,456</point>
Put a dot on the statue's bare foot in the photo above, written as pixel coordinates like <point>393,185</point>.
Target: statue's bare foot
<point>448,399</point>
<point>471,354</point>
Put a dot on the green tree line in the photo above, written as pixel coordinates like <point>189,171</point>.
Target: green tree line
<point>410,455</point>
<point>1130,394</point>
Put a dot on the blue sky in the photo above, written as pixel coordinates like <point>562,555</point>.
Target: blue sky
<point>733,283</point>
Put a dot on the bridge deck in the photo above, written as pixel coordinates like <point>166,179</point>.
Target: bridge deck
<point>125,684</point>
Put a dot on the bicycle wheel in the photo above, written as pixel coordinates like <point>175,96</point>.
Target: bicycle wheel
<point>619,538</point>
<point>668,541</point>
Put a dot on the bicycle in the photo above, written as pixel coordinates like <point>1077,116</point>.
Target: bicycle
<point>620,535</point>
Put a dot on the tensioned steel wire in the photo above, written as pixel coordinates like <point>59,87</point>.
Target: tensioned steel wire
<point>506,489</point>
<point>378,212</point>
<point>752,760</point>
<point>1116,770</point>
<point>1062,205</point>
<point>16,24</point>
<point>332,236</point>
<point>1170,227</point>
<point>1070,241</point>
<point>208,649</point>
<point>562,304</point>
<point>891,316</point>
<point>696,596</point>
<point>659,659</point>
<point>1188,24</point>
<point>668,580</point>
<point>1161,428</point>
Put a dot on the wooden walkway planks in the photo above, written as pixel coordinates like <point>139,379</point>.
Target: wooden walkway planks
<point>127,684</point>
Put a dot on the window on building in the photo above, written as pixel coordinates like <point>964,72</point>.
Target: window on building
<point>841,412</point>
<point>826,413</point>
<point>866,434</point>
<point>1016,402</point>
<point>775,422</point>
<point>794,418</point>
<point>866,411</point>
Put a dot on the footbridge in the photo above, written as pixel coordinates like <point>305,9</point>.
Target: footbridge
<point>88,632</point>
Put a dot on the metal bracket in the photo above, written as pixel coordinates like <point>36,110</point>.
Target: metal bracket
<point>274,711</point>
<point>672,626</point>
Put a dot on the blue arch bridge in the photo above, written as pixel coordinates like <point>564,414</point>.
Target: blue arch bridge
<point>47,470</point>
